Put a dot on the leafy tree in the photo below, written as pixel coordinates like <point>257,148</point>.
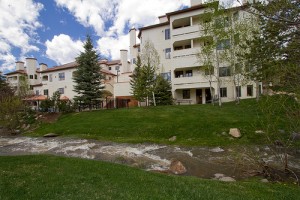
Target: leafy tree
<point>88,76</point>
<point>24,88</point>
<point>275,48</point>
<point>162,91</point>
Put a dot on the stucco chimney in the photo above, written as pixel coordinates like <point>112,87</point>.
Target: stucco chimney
<point>19,65</point>
<point>124,60</point>
<point>43,66</point>
<point>196,2</point>
<point>132,37</point>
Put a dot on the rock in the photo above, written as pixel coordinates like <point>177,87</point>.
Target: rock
<point>27,127</point>
<point>172,139</point>
<point>177,167</point>
<point>235,132</point>
<point>227,179</point>
<point>278,143</point>
<point>50,135</point>
<point>217,150</point>
<point>295,136</point>
<point>259,132</point>
<point>17,131</point>
<point>218,175</point>
<point>264,181</point>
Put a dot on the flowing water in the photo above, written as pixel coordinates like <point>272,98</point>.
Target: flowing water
<point>202,162</point>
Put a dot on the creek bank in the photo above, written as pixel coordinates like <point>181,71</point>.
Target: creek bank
<point>205,162</point>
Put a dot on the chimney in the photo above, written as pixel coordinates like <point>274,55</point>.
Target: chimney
<point>19,65</point>
<point>196,2</point>
<point>43,66</point>
<point>132,37</point>
<point>124,62</point>
<point>31,66</point>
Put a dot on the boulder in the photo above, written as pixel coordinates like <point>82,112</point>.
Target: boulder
<point>227,179</point>
<point>259,132</point>
<point>172,139</point>
<point>235,132</point>
<point>264,181</point>
<point>51,135</point>
<point>217,150</point>
<point>177,167</point>
<point>218,175</point>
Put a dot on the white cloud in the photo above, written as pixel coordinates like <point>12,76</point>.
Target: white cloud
<point>120,14</point>
<point>62,49</point>
<point>18,25</point>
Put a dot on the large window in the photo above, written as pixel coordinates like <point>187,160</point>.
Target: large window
<point>61,90</point>
<point>61,76</point>
<point>223,92</point>
<point>37,92</point>
<point>223,44</point>
<point>224,71</point>
<point>30,76</point>
<point>50,78</point>
<point>167,34</point>
<point>178,74</point>
<point>45,78</point>
<point>168,53</point>
<point>186,94</point>
<point>46,92</point>
<point>189,73</point>
<point>167,76</point>
<point>249,90</point>
<point>35,76</point>
<point>238,91</point>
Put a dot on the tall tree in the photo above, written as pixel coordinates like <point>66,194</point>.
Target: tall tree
<point>162,91</point>
<point>88,75</point>
<point>5,89</point>
<point>275,49</point>
<point>136,82</point>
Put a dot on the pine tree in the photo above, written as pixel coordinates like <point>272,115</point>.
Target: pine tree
<point>137,87</point>
<point>88,76</point>
<point>5,89</point>
<point>162,91</point>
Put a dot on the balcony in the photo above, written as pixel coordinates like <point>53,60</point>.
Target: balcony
<point>185,33</point>
<point>197,81</point>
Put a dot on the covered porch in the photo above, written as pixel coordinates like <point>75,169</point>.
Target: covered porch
<point>194,95</point>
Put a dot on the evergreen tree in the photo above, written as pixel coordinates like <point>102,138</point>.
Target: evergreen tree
<point>162,91</point>
<point>5,89</point>
<point>88,76</point>
<point>136,82</point>
<point>148,80</point>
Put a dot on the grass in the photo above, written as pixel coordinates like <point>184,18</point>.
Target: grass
<point>49,177</point>
<point>192,124</point>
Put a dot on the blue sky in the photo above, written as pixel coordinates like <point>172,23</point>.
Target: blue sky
<point>53,31</point>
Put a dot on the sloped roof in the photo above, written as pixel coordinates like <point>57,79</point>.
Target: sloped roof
<point>17,72</point>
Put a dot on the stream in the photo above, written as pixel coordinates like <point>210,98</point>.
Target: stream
<point>204,162</point>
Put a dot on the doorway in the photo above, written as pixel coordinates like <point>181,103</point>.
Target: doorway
<point>207,96</point>
<point>199,96</point>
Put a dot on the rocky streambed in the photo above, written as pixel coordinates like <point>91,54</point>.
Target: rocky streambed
<point>226,164</point>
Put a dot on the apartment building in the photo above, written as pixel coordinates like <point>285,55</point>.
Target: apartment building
<point>44,81</point>
<point>177,39</point>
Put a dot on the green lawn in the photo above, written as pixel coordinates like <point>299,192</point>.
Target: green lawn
<point>192,124</point>
<point>49,177</point>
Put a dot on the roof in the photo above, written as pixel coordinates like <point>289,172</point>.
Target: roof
<point>16,72</point>
<point>74,65</point>
<point>36,98</point>
<point>197,7</point>
<point>151,26</point>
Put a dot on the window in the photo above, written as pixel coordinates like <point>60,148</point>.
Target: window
<point>167,34</point>
<point>209,71</point>
<point>61,90</point>
<point>50,77</point>
<point>249,90</point>
<point>224,71</point>
<point>109,68</point>
<point>238,91</point>
<point>223,44</point>
<point>45,78</point>
<point>30,76</point>
<point>133,60</point>
<point>223,92</point>
<point>35,76</point>
<point>168,53</point>
<point>186,94</point>
<point>139,49</point>
<point>178,74</point>
<point>189,73</point>
<point>37,92</point>
<point>61,76</point>
<point>187,46</point>
<point>166,76</point>
<point>222,22</point>
<point>46,92</point>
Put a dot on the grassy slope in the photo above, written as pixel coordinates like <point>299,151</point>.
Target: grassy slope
<point>49,177</point>
<point>193,125</point>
